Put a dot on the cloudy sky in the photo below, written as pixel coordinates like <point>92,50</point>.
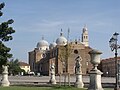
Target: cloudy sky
<point>37,18</point>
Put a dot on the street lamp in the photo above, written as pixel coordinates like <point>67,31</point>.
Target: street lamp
<point>114,47</point>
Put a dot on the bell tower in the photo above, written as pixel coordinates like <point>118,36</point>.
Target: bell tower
<point>85,38</point>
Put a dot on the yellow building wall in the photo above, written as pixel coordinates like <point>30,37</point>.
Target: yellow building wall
<point>26,68</point>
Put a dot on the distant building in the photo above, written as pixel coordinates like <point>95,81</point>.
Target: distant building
<point>24,66</point>
<point>107,66</point>
<point>63,53</point>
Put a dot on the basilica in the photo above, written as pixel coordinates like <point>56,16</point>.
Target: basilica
<point>62,53</point>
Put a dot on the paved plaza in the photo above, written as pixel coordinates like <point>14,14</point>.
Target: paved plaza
<point>45,79</point>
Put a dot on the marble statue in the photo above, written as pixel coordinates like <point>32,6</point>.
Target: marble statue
<point>78,65</point>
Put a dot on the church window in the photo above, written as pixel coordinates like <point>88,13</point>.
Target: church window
<point>76,51</point>
<point>84,37</point>
<point>46,48</point>
<point>75,42</point>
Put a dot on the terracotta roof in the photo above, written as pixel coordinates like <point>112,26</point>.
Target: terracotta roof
<point>23,64</point>
<point>111,58</point>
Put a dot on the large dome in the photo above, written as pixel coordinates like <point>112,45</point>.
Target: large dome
<point>43,45</point>
<point>61,41</point>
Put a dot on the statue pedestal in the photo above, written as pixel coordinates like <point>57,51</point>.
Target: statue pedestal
<point>52,79</point>
<point>95,80</point>
<point>79,82</point>
<point>4,81</point>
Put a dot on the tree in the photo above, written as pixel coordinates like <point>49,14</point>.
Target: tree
<point>65,52</point>
<point>5,35</point>
<point>14,67</point>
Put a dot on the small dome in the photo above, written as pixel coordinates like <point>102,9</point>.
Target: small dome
<point>61,41</point>
<point>52,45</point>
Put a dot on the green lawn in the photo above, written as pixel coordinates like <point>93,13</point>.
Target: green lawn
<point>41,88</point>
<point>38,88</point>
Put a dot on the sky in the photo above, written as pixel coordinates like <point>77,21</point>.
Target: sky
<point>36,18</point>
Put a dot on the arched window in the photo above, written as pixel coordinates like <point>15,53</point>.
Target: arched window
<point>84,37</point>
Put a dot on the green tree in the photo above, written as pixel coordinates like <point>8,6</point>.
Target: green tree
<point>5,35</point>
<point>14,67</point>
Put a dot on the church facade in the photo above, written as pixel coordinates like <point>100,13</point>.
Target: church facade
<point>62,53</point>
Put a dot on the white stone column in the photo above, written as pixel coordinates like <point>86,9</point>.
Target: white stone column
<point>52,76</point>
<point>95,80</point>
<point>78,72</point>
<point>95,74</point>
<point>5,81</point>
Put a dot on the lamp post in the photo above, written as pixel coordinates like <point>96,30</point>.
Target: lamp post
<point>114,47</point>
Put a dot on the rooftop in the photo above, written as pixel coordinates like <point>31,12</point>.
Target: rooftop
<point>23,64</point>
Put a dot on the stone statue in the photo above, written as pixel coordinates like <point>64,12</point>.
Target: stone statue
<point>78,65</point>
<point>52,69</point>
<point>5,81</point>
<point>78,72</point>
<point>52,76</point>
<point>5,69</point>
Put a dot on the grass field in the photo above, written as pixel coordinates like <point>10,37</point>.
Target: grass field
<point>38,88</point>
<point>41,88</point>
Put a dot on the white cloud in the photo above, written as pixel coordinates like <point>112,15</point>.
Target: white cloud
<point>46,23</point>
